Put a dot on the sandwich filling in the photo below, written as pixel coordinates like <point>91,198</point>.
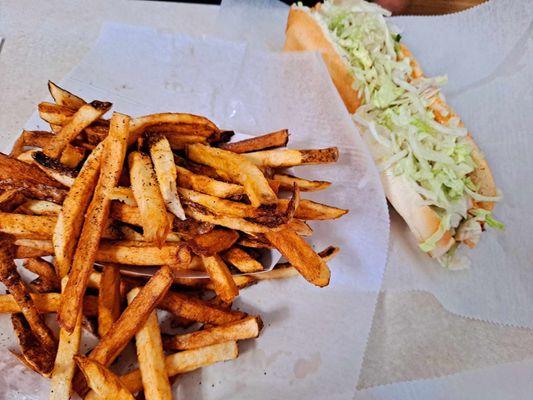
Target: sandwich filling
<point>404,120</point>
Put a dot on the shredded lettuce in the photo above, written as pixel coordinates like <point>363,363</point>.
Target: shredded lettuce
<point>397,115</point>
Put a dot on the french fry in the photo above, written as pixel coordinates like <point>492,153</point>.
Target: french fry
<point>241,260</point>
<point>97,131</point>
<point>310,210</point>
<point>124,195</point>
<point>82,118</point>
<point>108,298</point>
<point>220,275</point>
<point>300,254</point>
<point>181,363</point>
<point>130,322</point>
<point>172,124</point>
<point>300,227</point>
<point>264,142</point>
<point>35,355</point>
<point>207,185</point>
<point>46,303</point>
<point>180,142</point>
<point>151,357</point>
<point>182,305</point>
<point>40,207</point>
<point>51,167</point>
<point>104,383</point>
<point>45,270</point>
<point>286,182</point>
<point>246,328</point>
<point>55,114</point>
<point>254,242</point>
<point>213,242</point>
<point>27,226</point>
<point>239,168</point>
<point>128,253</point>
<point>11,199</point>
<point>165,170</point>
<point>97,213</point>
<point>64,97</point>
<point>283,158</point>
<point>197,212</point>
<point>64,367</point>
<point>11,279</point>
<point>148,197</point>
<point>18,172</point>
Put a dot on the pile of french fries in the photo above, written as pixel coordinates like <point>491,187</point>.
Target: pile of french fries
<point>166,190</point>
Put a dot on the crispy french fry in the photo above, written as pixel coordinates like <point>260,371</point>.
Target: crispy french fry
<point>108,298</point>
<point>165,170</point>
<point>50,166</point>
<point>197,212</point>
<point>102,381</point>
<point>289,158</point>
<point>182,305</point>
<point>241,260</point>
<point>180,142</point>
<point>310,210</point>
<point>40,207</point>
<point>300,227</point>
<point>213,242</point>
<point>11,279</point>
<point>69,221</point>
<point>45,303</point>
<point>254,242</point>
<point>264,142</point>
<point>183,362</point>
<point>129,323</point>
<point>148,197</point>
<point>151,357</point>
<point>97,131</point>
<point>18,172</point>
<point>45,270</point>
<point>239,169</point>
<point>38,357</point>
<point>27,226</point>
<point>82,118</point>
<point>172,124</point>
<point>11,199</point>
<point>97,213</point>
<point>220,275</point>
<point>128,253</point>
<point>63,371</point>
<point>246,328</point>
<point>124,195</point>
<point>55,114</point>
<point>64,97</point>
<point>207,185</point>
<point>301,255</point>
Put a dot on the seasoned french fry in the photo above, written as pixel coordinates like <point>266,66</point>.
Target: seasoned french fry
<point>11,199</point>
<point>181,363</point>
<point>173,124</point>
<point>213,242</point>
<point>68,347</point>
<point>300,254</point>
<point>151,357</point>
<point>38,357</point>
<point>239,169</point>
<point>11,279</point>
<point>97,131</point>
<point>50,166</point>
<point>45,303</point>
<point>264,142</point>
<point>108,298</point>
<point>207,185</point>
<point>104,383</point>
<point>97,213</point>
<point>220,275</point>
<point>124,195</point>
<point>197,212</point>
<point>149,199</point>
<point>131,253</point>
<point>18,173</point>
<point>241,260</point>
<point>300,227</point>
<point>165,170</point>
<point>310,210</point>
<point>64,97</point>
<point>254,242</point>
<point>45,270</point>
<point>55,114</point>
<point>246,328</point>
<point>70,219</point>
<point>27,226</point>
<point>286,182</point>
<point>40,207</point>
<point>82,118</point>
<point>194,309</point>
<point>289,158</point>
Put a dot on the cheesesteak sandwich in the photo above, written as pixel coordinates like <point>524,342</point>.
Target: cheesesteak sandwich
<point>433,173</point>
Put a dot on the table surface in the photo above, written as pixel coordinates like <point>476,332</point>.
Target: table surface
<point>433,7</point>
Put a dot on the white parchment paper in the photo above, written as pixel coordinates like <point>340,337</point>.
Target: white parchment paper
<point>141,71</point>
